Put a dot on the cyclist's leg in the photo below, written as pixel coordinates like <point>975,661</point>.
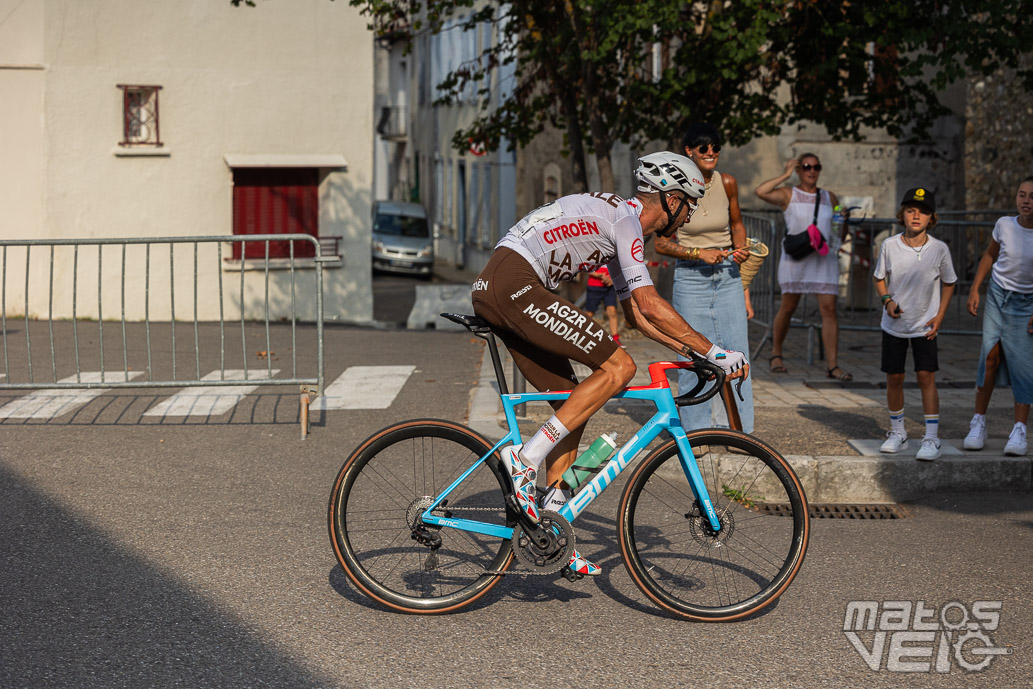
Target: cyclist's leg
<point>549,370</point>
<point>544,332</point>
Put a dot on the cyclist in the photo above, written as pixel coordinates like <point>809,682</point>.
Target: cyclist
<point>543,332</point>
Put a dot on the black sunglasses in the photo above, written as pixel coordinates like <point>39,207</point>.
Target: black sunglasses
<point>806,167</point>
<point>703,149</point>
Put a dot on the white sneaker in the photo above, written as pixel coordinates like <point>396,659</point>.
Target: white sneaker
<point>929,451</point>
<point>895,442</point>
<point>1016,446</point>
<point>976,433</point>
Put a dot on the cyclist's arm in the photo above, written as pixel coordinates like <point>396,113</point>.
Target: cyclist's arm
<point>654,317</point>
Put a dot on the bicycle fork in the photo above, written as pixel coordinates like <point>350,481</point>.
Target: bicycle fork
<point>694,477</point>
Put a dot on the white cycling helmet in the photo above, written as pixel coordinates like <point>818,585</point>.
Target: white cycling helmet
<point>666,171</point>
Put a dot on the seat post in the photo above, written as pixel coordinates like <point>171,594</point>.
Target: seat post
<point>496,361</point>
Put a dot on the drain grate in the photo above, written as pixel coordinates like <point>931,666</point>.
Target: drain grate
<point>874,511</point>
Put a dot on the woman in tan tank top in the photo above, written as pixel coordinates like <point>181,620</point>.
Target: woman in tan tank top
<point>708,291</point>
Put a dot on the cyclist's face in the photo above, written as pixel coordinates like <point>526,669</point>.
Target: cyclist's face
<point>674,200</point>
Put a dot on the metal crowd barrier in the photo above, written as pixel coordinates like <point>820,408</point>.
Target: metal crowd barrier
<point>210,259</point>
<point>765,282</point>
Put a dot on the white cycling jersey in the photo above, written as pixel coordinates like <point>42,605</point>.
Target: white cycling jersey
<point>578,234</point>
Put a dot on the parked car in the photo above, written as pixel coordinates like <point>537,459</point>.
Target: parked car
<point>402,242</point>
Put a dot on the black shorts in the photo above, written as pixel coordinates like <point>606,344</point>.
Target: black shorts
<point>542,331</point>
<point>894,353</point>
<point>595,294</point>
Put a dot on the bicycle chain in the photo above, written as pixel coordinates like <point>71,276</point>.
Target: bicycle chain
<point>500,572</point>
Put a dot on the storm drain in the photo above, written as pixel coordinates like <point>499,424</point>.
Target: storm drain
<point>873,511</point>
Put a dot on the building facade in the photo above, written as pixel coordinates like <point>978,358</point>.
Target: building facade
<point>123,119</point>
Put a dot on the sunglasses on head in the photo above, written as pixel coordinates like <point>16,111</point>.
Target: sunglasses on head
<point>703,148</point>
<point>807,167</point>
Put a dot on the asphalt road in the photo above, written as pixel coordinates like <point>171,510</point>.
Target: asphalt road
<point>195,553</point>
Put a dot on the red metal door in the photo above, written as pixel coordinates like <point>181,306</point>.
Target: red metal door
<point>275,201</point>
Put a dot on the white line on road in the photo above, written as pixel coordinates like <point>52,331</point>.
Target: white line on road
<point>53,402</point>
<point>365,387</point>
<point>212,400</point>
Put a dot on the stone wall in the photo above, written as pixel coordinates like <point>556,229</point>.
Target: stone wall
<point>998,139</point>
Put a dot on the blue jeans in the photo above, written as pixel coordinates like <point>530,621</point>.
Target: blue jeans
<point>1005,318</point>
<point>711,299</point>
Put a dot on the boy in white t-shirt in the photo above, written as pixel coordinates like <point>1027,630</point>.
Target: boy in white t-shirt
<point>915,279</point>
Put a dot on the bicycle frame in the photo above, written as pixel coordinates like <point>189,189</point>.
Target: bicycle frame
<point>665,419</point>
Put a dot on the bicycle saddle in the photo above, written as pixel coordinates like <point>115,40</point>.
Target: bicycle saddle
<point>474,324</point>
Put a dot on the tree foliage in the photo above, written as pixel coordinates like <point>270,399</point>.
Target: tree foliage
<point>613,70</point>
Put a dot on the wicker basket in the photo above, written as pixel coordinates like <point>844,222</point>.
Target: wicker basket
<point>748,268</point>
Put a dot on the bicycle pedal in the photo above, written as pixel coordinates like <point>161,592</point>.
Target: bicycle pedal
<point>571,575</point>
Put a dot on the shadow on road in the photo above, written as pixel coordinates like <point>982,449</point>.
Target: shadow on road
<point>79,610</point>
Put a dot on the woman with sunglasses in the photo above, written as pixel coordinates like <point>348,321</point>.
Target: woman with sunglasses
<point>708,291</point>
<point>814,274</point>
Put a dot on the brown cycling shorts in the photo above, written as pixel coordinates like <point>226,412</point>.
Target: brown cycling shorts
<point>542,331</point>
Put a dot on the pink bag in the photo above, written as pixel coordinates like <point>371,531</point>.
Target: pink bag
<point>817,241</point>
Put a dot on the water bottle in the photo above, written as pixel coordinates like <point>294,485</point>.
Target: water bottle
<point>836,240</point>
<point>587,465</point>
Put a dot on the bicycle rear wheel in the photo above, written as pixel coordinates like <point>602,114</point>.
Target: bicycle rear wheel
<point>685,567</point>
<point>375,505</point>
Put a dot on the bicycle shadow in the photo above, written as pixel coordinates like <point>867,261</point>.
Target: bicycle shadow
<point>517,584</point>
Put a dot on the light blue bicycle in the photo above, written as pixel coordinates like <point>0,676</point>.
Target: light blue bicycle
<point>712,525</point>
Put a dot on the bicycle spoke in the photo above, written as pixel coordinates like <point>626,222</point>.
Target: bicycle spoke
<point>685,565</point>
<point>375,521</point>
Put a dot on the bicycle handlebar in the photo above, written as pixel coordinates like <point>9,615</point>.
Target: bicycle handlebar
<point>705,372</point>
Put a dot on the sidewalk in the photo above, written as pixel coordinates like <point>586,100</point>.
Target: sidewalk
<point>830,430</point>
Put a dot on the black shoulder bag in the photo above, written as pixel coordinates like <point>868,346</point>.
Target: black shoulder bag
<point>798,245</point>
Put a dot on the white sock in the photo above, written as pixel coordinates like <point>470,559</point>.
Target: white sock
<point>555,498</point>
<point>541,443</point>
<point>932,425</point>
<point>897,421</point>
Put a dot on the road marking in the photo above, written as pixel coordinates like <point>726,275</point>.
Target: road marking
<point>53,402</point>
<point>212,400</point>
<point>365,387</point>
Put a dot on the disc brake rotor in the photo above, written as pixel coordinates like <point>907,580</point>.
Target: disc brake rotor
<point>699,527</point>
<point>549,548</point>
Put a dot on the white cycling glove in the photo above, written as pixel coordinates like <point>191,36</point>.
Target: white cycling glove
<point>727,359</point>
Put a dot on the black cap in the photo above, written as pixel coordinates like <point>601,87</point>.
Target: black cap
<point>921,196</point>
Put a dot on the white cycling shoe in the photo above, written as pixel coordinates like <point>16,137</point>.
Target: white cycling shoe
<point>579,565</point>
<point>523,478</point>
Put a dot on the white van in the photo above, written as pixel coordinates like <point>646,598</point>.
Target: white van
<point>402,241</point>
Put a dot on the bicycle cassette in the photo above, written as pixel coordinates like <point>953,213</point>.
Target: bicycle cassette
<point>548,548</point>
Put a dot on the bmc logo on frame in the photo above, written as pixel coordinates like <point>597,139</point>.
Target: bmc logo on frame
<point>906,636</point>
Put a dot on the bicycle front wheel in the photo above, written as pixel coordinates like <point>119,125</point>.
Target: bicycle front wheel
<point>680,562</point>
<point>375,526</point>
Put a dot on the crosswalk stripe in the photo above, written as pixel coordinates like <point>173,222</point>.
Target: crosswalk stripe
<point>212,400</point>
<point>365,387</point>
<point>53,402</point>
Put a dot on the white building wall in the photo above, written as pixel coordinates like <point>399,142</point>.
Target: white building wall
<point>292,79</point>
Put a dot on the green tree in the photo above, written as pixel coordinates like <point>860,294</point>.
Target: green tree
<point>612,70</point>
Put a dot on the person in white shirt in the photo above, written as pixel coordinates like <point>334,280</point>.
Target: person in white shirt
<point>915,279</point>
<point>1007,352</point>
